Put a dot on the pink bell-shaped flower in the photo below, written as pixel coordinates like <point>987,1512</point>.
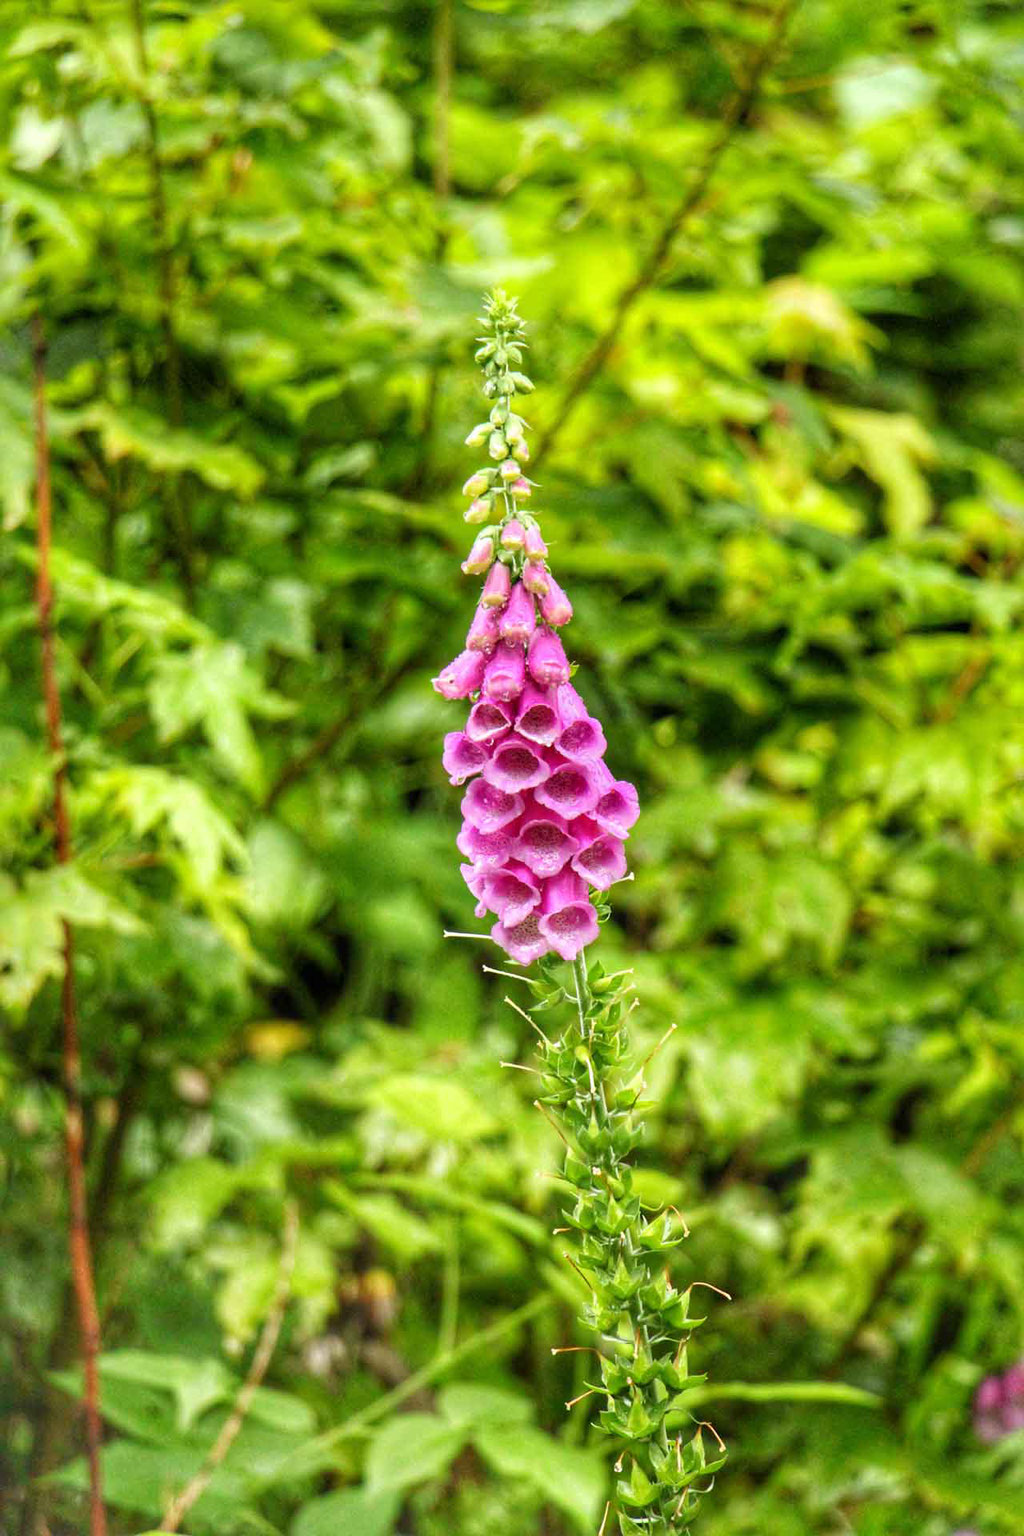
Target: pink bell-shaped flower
<point>461,677</point>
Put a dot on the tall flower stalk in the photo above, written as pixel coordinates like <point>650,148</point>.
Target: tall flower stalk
<point>545,824</point>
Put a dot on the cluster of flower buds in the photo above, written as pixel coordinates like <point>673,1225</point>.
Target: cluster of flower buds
<point>544,819</point>
<point>999,1405</point>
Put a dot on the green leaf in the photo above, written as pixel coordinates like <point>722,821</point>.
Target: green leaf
<point>349,1512</point>
<point>443,1109</point>
<point>32,933</point>
<point>135,434</point>
<point>149,798</point>
<point>462,1402</point>
<point>16,463</point>
<point>839,1392</point>
<point>892,450</point>
<point>402,1233</point>
<point>214,687</point>
<point>572,1479</point>
<point>413,1448</point>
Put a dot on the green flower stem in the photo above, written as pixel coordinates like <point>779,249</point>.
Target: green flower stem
<point>591,1090</point>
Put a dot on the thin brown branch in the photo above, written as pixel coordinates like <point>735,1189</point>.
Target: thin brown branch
<point>264,1353</point>
<point>78,1216</point>
<point>177,512</point>
<point>736,113</point>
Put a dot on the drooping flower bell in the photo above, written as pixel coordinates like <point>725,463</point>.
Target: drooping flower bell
<point>545,820</point>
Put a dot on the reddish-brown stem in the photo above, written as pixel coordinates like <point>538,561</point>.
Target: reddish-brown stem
<point>78,1223</point>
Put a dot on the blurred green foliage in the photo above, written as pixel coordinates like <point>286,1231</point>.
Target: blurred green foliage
<point>789,506</point>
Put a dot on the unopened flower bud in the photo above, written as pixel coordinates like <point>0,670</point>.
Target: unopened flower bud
<point>555,606</point>
<point>505,674</point>
<point>499,413</point>
<point>522,383</point>
<point>513,535</point>
<point>536,578</point>
<point>509,470</point>
<point>497,446</point>
<point>480,556</point>
<point>479,435</point>
<point>519,619</point>
<point>478,511</point>
<point>497,586</point>
<point>547,661</point>
<point>521,486</point>
<point>462,676</point>
<point>477,483</point>
<point>521,451</point>
<point>483,631</point>
<point>536,549</point>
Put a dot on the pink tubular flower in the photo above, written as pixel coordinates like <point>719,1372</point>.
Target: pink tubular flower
<point>511,893</point>
<point>617,808</point>
<point>545,844</point>
<point>602,862</point>
<point>513,535</point>
<point>581,738</point>
<point>489,808</point>
<point>505,674</point>
<point>480,556</point>
<point>461,677</point>
<point>539,719</point>
<point>483,631</point>
<point>555,607</point>
<point>524,942</point>
<point>519,619</point>
<point>571,790</point>
<point>462,757</point>
<point>567,921</point>
<point>535,547</point>
<point>516,764</point>
<point>487,850</point>
<point>536,578</point>
<point>497,586</point>
<point>547,659</point>
<point>488,720</point>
